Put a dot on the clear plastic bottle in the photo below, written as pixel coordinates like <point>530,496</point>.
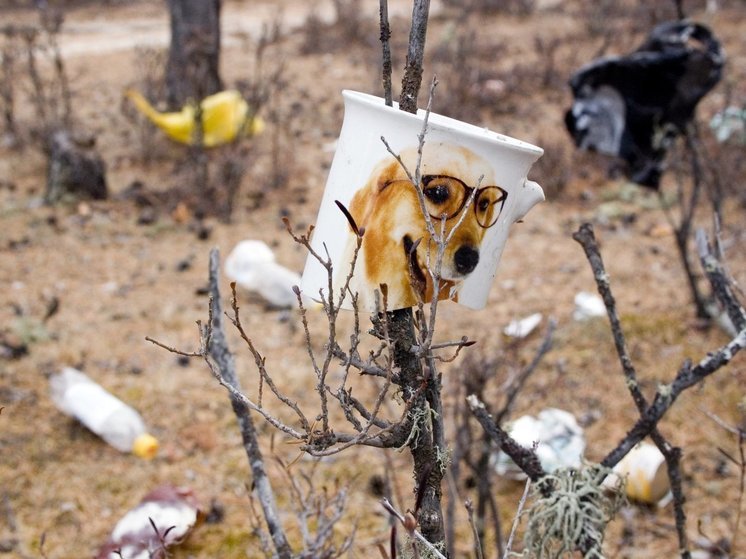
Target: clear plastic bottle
<point>106,415</point>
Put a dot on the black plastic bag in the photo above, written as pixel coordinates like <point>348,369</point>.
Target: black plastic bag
<point>634,106</point>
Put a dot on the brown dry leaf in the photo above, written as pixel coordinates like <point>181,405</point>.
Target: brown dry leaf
<point>660,230</point>
<point>181,213</point>
<point>84,209</point>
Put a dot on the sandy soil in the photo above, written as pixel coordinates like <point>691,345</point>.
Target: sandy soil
<point>118,280</point>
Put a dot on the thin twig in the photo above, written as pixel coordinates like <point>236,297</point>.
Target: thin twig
<point>260,363</point>
<point>721,285</point>
<point>469,506</point>
<point>516,520</point>
<point>412,531</point>
<point>517,385</point>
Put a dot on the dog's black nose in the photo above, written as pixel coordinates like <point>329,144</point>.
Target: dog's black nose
<point>466,259</point>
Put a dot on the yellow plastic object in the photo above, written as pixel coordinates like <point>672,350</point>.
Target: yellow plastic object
<point>225,116</point>
<point>145,446</point>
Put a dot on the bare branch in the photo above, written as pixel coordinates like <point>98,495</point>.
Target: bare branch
<point>672,454</point>
<point>365,367</point>
<point>525,458</point>
<point>220,354</point>
<point>415,55</point>
<point>469,506</point>
<point>721,286</point>
<point>260,364</point>
<point>386,48</point>
<point>666,395</point>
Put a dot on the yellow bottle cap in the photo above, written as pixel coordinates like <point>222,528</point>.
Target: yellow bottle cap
<point>145,446</point>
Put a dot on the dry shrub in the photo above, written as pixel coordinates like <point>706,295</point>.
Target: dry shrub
<point>469,83</point>
<point>267,91</point>
<point>28,52</point>
<point>348,28</point>
<point>623,19</point>
<point>497,378</point>
<point>479,78</point>
<point>515,7</point>
<point>8,54</point>
<point>150,82</point>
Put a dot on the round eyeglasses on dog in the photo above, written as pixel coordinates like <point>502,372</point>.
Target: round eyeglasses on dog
<point>446,196</point>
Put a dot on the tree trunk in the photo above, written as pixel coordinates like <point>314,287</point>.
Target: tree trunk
<point>192,70</point>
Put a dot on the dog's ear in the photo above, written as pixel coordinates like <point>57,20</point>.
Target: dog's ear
<point>389,173</point>
<point>351,220</point>
<point>417,278</point>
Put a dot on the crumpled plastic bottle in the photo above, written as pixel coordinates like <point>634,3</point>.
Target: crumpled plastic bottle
<point>118,424</point>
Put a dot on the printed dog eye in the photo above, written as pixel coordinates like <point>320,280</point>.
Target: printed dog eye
<point>438,194</point>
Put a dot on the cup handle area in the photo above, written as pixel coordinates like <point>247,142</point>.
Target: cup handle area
<point>529,195</point>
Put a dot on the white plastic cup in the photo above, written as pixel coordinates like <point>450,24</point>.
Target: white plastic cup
<point>367,180</point>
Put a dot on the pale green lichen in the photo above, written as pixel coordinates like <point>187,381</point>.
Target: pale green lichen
<point>417,415</point>
<point>664,390</point>
<point>573,516</point>
<point>443,458</point>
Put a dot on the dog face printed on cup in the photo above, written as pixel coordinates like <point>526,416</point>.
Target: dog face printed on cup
<point>388,209</point>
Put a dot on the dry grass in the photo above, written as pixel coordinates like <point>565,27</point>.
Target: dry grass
<point>118,281</point>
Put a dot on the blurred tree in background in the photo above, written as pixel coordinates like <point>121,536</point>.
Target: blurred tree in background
<point>192,69</point>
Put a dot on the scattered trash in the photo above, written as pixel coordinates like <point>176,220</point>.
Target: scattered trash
<point>252,265</point>
<point>118,424</point>
<point>521,328</point>
<point>634,106</point>
<point>560,439</point>
<point>225,116</point>
<point>730,123</point>
<point>646,474</point>
<point>163,519</point>
<point>588,305</point>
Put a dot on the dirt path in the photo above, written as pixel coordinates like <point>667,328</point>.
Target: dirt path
<point>106,30</point>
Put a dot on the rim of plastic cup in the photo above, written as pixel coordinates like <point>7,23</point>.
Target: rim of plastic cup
<point>444,122</point>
